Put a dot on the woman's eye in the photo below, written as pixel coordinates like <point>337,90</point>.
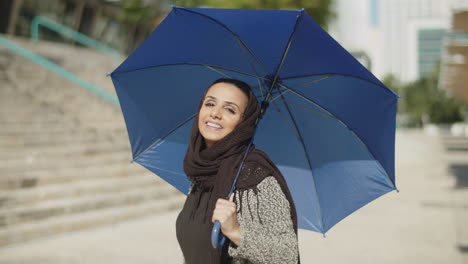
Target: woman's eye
<point>209,104</point>
<point>230,110</point>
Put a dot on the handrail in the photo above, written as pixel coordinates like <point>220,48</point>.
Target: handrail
<point>72,34</point>
<point>57,69</point>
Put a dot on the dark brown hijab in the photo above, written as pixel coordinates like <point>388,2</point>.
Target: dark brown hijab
<point>214,169</point>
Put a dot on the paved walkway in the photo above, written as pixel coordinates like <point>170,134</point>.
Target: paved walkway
<point>427,222</point>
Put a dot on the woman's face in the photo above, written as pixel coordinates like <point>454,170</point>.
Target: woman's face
<point>222,110</point>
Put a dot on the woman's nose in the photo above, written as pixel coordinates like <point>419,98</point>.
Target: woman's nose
<point>215,112</point>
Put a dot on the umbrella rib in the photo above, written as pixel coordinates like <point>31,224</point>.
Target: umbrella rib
<point>311,110</point>
<point>309,75</point>
<point>220,72</point>
<point>314,81</point>
<point>233,33</point>
<point>285,53</point>
<point>228,76</point>
<point>260,88</point>
<point>187,63</point>
<point>314,103</point>
<point>348,75</point>
<point>165,170</point>
<point>345,125</point>
<point>286,121</point>
<point>301,140</point>
<point>254,69</point>
<point>300,85</point>
<point>164,136</point>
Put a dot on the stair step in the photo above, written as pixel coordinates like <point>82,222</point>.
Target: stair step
<point>75,205</point>
<point>23,197</point>
<point>16,119</point>
<point>11,141</point>
<point>13,99</point>
<point>34,153</point>
<point>13,109</point>
<point>32,129</point>
<point>46,138</point>
<point>62,149</point>
<point>69,223</point>
<point>105,126</point>
<point>41,177</point>
<point>15,164</point>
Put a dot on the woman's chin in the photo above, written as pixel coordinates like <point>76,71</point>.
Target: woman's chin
<point>211,139</point>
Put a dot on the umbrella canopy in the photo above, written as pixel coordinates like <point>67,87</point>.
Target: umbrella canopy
<point>330,124</point>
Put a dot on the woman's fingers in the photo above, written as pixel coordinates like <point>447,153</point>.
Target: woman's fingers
<point>226,213</point>
<point>224,210</point>
<point>226,202</point>
<point>222,214</point>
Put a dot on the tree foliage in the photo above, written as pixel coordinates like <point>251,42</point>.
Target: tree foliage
<point>320,10</point>
<point>392,82</point>
<point>422,101</point>
<point>138,11</point>
<point>444,109</point>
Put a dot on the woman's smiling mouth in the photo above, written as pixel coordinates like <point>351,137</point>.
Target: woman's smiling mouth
<point>213,125</point>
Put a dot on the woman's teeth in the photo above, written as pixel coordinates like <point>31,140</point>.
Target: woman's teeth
<point>213,125</point>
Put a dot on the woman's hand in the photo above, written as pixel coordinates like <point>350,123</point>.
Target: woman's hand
<point>226,213</point>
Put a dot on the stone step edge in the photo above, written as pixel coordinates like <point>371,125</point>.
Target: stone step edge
<point>40,161</point>
<point>26,142</point>
<point>71,153</point>
<point>78,146</point>
<point>73,169</point>
<point>50,209</point>
<point>70,172</point>
<point>14,198</point>
<point>70,223</point>
<point>20,181</point>
<point>58,164</point>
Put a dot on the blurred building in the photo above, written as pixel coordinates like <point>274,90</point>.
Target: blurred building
<point>354,29</point>
<point>401,37</point>
<point>100,19</point>
<point>454,66</point>
<point>413,32</point>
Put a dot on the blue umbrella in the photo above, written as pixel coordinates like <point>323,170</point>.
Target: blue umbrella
<point>329,125</point>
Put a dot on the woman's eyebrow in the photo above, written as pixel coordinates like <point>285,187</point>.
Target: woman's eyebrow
<point>232,103</point>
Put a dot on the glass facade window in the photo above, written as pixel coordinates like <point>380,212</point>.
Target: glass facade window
<point>429,50</point>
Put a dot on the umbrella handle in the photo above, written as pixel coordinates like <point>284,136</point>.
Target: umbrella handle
<point>217,238</point>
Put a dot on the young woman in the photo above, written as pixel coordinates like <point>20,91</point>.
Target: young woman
<point>259,220</point>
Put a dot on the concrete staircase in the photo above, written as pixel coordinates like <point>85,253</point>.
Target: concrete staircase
<point>64,152</point>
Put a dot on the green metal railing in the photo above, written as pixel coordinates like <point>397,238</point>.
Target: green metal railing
<point>72,34</point>
<point>57,69</point>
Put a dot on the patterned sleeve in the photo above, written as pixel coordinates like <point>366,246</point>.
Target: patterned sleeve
<point>268,234</point>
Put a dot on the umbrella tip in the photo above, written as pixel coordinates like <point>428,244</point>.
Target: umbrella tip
<point>301,11</point>
<point>108,74</point>
<point>324,236</point>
